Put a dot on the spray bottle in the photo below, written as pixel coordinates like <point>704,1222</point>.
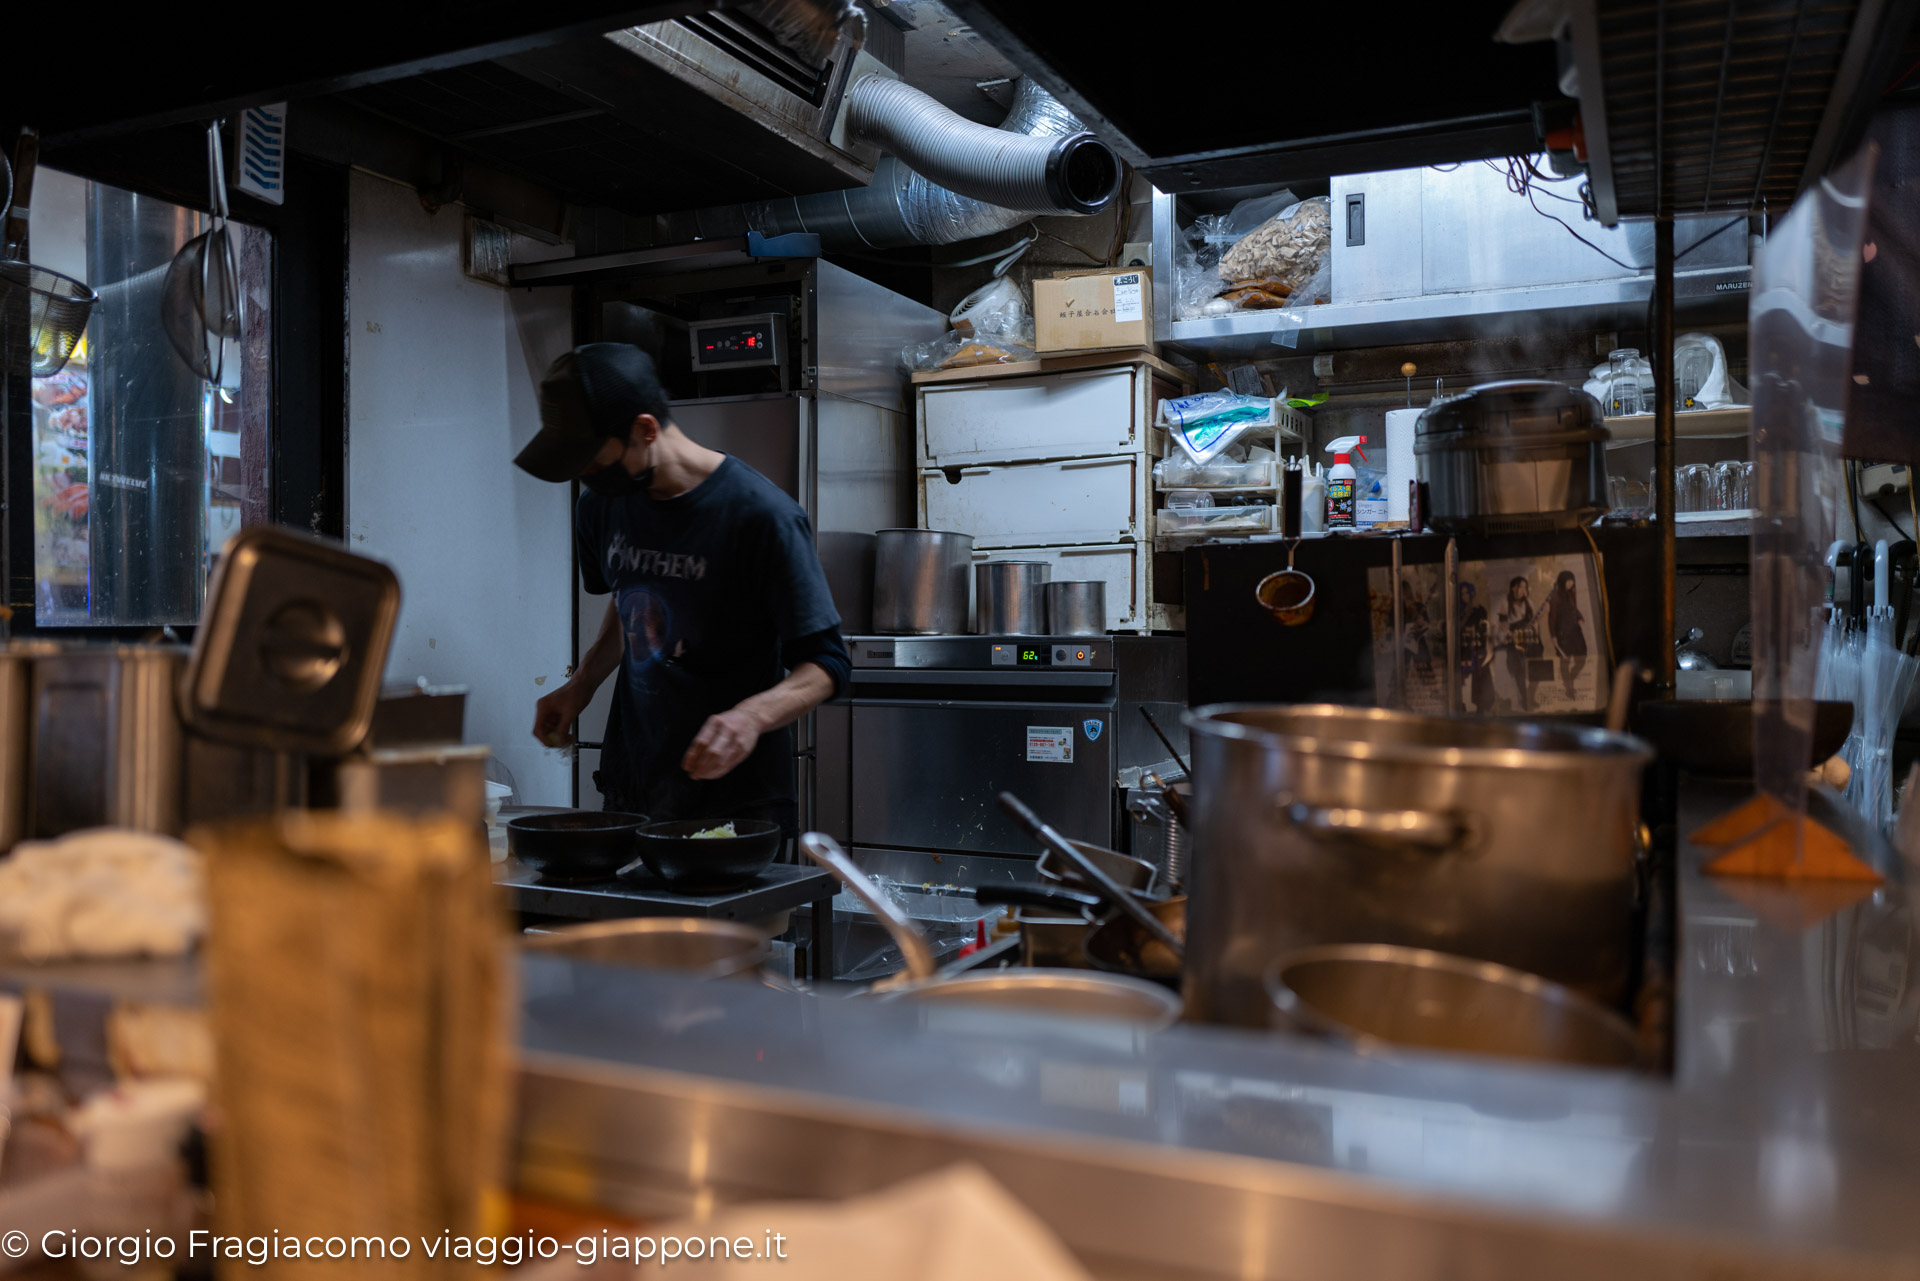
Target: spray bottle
<point>1340,496</point>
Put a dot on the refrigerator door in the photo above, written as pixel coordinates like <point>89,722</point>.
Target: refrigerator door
<point>764,432</point>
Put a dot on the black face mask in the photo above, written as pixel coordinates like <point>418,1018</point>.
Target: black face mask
<point>617,482</point>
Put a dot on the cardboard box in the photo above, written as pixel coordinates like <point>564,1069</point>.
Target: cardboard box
<point>1091,310</point>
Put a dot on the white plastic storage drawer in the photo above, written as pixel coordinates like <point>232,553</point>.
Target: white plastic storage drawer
<point>1123,568</point>
<point>1067,415</point>
<point>1091,500</point>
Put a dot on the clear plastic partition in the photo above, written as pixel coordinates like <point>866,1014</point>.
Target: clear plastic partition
<point>1804,295</point>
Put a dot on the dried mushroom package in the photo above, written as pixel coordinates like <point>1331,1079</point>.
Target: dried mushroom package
<point>1268,252</point>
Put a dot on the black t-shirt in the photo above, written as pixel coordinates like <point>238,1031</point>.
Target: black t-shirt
<point>708,585</point>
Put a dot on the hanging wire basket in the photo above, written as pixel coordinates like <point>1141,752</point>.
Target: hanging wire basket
<point>43,315</point>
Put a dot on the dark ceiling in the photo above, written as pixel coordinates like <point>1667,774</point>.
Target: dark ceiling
<point>152,66</point>
<point>1278,79</point>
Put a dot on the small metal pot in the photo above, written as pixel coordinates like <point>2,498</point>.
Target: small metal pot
<point>1373,996</point>
<point>1076,608</point>
<point>920,582</point>
<point>695,947</point>
<point>1009,597</point>
<point>1119,945</point>
<point>1288,594</point>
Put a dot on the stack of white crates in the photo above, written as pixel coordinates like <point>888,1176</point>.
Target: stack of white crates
<point>1052,460</point>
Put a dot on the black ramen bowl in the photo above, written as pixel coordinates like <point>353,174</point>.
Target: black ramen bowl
<point>574,846</point>
<point>710,864</point>
<point>1714,737</point>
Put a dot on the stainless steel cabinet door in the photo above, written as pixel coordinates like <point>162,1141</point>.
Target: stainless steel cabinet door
<point>925,774</point>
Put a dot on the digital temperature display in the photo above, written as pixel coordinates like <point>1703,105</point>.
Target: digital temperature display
<point>1033,656</point>
<point>731,344</point>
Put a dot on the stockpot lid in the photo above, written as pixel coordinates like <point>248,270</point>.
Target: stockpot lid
<point>292,646</point>
<point>1376,733</point>
<point>1516,411</point>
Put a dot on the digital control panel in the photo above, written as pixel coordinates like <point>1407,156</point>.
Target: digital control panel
<point>1042,654</point>
<point>737,342</point>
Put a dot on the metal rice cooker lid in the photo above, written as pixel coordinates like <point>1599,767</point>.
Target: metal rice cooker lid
<point>291,649</point>
<point>1522,411</point>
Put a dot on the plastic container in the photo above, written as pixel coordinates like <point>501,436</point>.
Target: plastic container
<point>1207,522</point>
<point>1181,472</point>
<point>1313,501</point>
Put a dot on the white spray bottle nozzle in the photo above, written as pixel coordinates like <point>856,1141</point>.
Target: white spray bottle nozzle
<point>1342,448</point>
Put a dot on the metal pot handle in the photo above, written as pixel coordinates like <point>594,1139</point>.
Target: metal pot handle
<point>1422,829</point>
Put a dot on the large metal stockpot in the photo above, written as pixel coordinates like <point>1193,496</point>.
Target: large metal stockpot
<point>1510,842</point>
<point>920,582</point>
<point>1520,455</point>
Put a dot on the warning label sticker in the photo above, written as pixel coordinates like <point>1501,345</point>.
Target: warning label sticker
<point>1126,298</point>
<point>1050,743</point>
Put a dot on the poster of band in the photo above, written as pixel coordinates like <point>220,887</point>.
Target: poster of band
<point>1530,636</point>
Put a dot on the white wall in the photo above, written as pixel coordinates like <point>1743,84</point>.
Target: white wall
<point>443,373</point>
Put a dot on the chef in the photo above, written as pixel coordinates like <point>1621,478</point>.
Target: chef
<point>720,632</point>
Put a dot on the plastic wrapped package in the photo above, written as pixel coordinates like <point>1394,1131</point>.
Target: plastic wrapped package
<point>993,325</point>
<point>1264,255</point>
<point>997,307</point>
<point>955,350</point>
<point>1207,423</point>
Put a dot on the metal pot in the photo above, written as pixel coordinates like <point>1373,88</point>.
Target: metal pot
<point>1373,996</point>
<point>16,724</point>
<point>1505,841</point>
<point>1009,597</point>
<point>1521,455</point>
<point>696,947</point>
<point>107,739</point>
<point>1076,608</point>
<point>920,582</point>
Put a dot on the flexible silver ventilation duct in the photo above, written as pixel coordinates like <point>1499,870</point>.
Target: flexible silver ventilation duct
<point>949,179</point>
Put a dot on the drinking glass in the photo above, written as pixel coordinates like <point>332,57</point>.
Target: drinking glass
<point>1693,488</point>
<point>1623,384</point>
<point>1730,486</point>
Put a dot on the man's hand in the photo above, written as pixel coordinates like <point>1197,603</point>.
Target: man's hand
<point>555,713</point>
<point>722,743</point>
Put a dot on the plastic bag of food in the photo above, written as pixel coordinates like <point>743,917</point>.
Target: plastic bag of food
<point>1280,258</point>
<point>957,350</point>
<point>1196,285</point>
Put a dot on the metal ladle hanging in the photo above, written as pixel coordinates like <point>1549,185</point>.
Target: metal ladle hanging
<point>1288,594</point>
<point>200,304</point>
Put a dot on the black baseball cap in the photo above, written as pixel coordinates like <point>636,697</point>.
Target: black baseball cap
<point>589,396</point>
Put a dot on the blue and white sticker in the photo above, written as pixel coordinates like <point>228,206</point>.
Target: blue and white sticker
<point>1092,729</point>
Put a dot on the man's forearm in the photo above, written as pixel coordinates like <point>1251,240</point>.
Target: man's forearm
<point>602,657</point>
<point>805,688</point>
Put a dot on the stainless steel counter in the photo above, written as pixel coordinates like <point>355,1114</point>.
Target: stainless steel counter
<point>1786,1144</point>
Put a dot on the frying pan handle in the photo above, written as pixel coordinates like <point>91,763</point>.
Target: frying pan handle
<point>1394,829</point>
<point>826,851</point>
<point>1023,894</point>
